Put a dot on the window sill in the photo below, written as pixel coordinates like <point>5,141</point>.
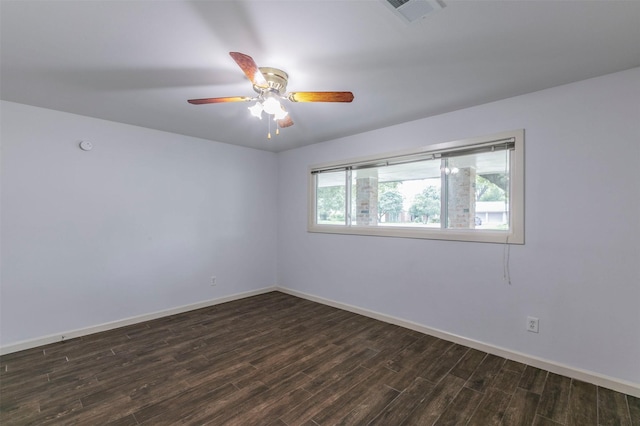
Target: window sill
<point>470,235</point>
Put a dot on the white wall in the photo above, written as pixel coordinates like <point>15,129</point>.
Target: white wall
<point>579,271</point>
<point>137,225</point>
<point>141,222</point>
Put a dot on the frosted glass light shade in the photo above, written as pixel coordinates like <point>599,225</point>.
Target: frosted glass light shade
<point>271,106</point>
<point>256,110</point>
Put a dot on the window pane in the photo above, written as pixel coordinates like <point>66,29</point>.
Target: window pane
<point>478,191</point>
<point>398,195</point>
<point>330,198</point>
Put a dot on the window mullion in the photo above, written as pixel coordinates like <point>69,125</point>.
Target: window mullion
<point>347,198</point>
<point>444,193</point>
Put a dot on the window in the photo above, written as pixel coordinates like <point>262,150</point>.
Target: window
<point>469,190</point>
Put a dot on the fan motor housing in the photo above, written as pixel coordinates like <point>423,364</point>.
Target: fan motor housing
<point>276,80</point>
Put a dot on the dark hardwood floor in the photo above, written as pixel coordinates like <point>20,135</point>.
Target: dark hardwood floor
<point>275,359</point>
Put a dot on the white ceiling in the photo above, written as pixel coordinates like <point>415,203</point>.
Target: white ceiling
<point>139,61</point>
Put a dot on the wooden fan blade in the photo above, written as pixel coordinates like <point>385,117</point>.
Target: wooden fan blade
<point>220,100</point>
<point>250,69</point>
<point>285,122</point>
<point>320,96</point>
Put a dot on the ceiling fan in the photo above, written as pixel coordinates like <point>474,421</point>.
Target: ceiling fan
<point>271,86</point>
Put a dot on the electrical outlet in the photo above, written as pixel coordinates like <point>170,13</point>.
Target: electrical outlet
<point>532,324</point>
<point>213,280</point>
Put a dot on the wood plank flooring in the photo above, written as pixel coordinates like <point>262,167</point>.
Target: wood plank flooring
<point>275,359</point>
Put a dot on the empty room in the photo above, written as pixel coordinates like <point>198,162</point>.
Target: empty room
<point>315,212</point>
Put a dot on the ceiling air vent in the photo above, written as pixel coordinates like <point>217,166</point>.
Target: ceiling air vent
<point>412,10</point>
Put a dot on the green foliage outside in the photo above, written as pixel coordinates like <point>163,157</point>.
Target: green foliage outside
<point>488,191</point>
<point>330,203</point>
<point>390,201</point>
<point>426,206</point>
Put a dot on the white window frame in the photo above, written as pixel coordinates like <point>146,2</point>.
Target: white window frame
<point>514,235</point>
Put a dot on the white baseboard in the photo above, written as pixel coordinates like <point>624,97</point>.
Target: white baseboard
<point>66,335</point>
<point>557,368</point>
<point>565,370</point>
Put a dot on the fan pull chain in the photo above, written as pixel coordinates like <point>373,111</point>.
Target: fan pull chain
<point>269,132</point>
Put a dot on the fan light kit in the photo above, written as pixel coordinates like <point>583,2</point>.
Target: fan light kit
<point>271,85</point>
